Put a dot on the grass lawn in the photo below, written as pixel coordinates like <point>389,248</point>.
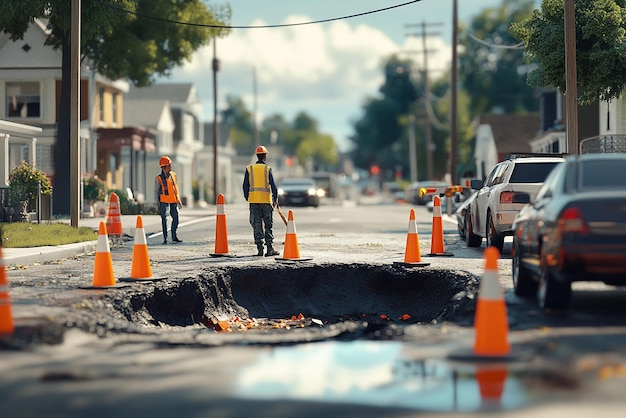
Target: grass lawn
<point>25,234</point>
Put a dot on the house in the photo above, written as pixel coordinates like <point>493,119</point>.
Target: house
<point>187,136</point>
<point>498,136</point>
<point>30,84</point>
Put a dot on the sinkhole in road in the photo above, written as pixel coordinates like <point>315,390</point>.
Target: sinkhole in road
<point>329,293</point>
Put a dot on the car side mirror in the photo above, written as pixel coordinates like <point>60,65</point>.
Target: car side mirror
<point>521,198</point>
<point>476,184</point>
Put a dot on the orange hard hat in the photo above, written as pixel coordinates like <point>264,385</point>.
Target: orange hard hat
<point>165,160</point>
<point>261,150</point>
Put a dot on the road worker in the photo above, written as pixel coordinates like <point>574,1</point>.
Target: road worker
<point>167,197</point>
<point>261,193</point>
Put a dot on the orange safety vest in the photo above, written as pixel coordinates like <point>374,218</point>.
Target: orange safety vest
<point>259,176</point>
<point>169,188</point>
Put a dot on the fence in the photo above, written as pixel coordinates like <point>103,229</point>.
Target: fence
<point>603,144</point>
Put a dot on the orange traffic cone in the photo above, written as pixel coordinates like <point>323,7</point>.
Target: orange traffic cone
<point>140,268</point>
<point>491,382</point>
<point>412,255</point>
<point>103,269</point>
<point>491,324</point>
<point>221,233</point>
<point>436,244</point>
<point>6,319</point>
<point>114,220</point>
<point>291,251</point>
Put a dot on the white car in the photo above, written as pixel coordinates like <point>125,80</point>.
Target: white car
<point>492,212</point>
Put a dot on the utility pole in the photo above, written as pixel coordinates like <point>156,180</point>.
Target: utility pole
<point>453,102</point>
<point>254,125</point>
<point>571,83</point>
<point>75,115</point>
<point>216,68</point>
<point>426,98</point>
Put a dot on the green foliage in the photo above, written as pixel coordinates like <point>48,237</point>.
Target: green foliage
<point>490,74</point>
<point>600,53</point>
<point>24,183</point>
<point>94,189</point>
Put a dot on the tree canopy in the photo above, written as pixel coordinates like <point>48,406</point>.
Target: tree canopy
<point>600,47</point>
<point>491,68</point>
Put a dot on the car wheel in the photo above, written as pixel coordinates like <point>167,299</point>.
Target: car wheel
<point>492,236</point>
<point>471,239</point>
<point>461,227</point>
<point>552,294</point>
<point>523,282</point>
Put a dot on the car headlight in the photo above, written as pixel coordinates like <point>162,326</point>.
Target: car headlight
<point>320,193</point>
<point>281,192</point>
<point>312,192</point>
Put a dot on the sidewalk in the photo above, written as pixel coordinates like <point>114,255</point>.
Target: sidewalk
<point>151,225</point>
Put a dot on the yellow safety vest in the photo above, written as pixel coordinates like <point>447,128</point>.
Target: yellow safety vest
<point>169,191</point>
<point>259,177</point>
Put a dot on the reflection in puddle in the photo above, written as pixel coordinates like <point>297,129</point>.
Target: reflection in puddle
<point>377,373</point>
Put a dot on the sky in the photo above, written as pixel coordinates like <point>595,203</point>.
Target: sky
<point>327,70</point>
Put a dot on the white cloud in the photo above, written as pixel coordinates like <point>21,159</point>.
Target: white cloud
<point>325,70</point>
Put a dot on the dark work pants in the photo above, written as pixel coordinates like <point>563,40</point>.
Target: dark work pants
<point>261,214</point>
<point>173,209</point>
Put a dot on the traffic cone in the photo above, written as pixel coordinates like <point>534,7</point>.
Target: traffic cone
<point>491,381</point>
<point>291,251</point>
<point>140,268</point>
<point>114,220</point>
<point>103,269</point>
<point>6,319</point>
<point>412,255</point>
<point>436,243</point>
<point>491,324</point>
<point>221,233</point>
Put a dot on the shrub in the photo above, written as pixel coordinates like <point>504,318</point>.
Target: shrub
<point>126,206</point>
<point>24,182</point>
<point>94,189</point>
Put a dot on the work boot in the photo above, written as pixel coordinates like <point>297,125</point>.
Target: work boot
<point>271,252</point>
<point>260,253</point>
<point>176,240</point>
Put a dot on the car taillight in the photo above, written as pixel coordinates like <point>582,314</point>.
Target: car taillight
<point>506,197</point>
<point>571,220</point>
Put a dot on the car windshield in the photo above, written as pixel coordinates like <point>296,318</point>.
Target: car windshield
<point>597,175</point>
<point>531,172</point>
<point>298,182</point>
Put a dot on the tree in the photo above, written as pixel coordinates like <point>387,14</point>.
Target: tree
<point>117,39</point>
<point>379,132</point>
<point>490,70</point>
<point>600,54</point>
<point>239,118</point>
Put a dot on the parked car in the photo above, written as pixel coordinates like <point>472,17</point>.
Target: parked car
<point>575,230</point>
<point>300,191</point>
<point>492,212</point>
<point>412,191</point>
<point>461,214</point>
<point>457,200</point>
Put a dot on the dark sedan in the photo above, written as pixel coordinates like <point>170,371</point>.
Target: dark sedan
<point>299,192</point>
<point>575,230</point>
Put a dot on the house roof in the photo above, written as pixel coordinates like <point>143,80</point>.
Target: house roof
<point>513,133</point>
<point>143,112</point>
<point>174,92</point>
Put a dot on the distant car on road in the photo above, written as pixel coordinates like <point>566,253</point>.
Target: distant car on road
<point>300,191</point>
<point>575,230</point>
<point>493,209</point>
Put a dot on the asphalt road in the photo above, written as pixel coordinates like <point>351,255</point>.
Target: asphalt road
<point>86,352</point>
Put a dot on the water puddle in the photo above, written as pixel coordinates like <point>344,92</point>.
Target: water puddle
<point>378,373</point>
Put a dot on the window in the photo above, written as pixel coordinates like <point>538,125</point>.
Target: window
<point>115,96</point>
<point>101,103</point>
<point>23,100</point>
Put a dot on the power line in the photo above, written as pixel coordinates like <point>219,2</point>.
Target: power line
<point>497,46</point>
<point>205,25</point>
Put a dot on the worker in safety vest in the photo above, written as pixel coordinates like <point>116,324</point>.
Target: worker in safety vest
<point>261,193</point>
<point>167,197</point>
